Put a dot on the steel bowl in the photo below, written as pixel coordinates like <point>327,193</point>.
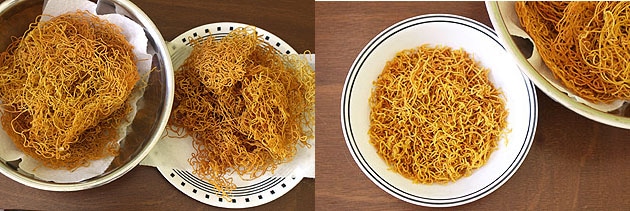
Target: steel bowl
<point>521,49</point>
<point>151,118</point>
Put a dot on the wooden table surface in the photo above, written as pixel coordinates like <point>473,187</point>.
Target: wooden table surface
<point>144,188</point>
<point>574,163</point>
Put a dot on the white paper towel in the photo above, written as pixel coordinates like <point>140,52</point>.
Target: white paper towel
<point>135,35</point>
<point>174,152</point>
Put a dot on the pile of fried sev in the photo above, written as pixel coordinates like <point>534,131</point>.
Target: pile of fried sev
<point>246,107</point>
<point>434,114</point>
<point>586,45</point>
<point>64,86</point>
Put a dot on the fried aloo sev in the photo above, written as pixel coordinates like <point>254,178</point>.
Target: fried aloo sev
<point>434,114</point>
<point>586,45</point>
<point>244,105</point>
<point>63,88</point>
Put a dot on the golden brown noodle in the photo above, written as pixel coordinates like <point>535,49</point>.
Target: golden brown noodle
<point>64,87</point>
<point>244,106</point>
<point>585,44</point>
<point>434,114</point>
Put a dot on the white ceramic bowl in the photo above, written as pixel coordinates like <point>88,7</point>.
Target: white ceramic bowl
<point>455,32</point>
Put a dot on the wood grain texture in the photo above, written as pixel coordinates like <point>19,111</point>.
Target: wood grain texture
<point>574,163</point>
<point>144,188</point>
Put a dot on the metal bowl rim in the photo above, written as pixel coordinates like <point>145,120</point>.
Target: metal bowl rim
<point>160,44</point>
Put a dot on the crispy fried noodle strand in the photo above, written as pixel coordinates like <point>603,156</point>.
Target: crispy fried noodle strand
<point>244,104</point>
<point>585,44</point>
<point>434,114</point>
<point>63,87</point>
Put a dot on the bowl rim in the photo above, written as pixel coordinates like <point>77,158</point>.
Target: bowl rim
<point>161,49</point>
<point>494,12</point>
<point>377,176</point>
